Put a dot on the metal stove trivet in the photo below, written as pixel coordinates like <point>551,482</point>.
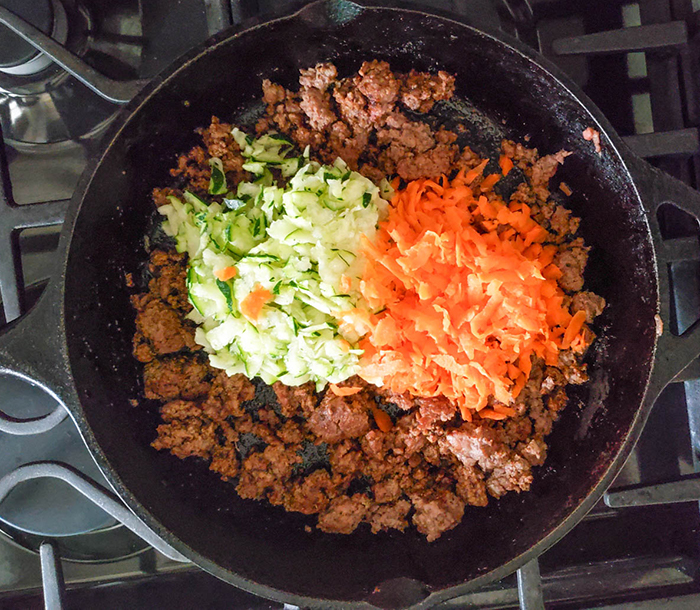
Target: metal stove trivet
<point>16,218</point>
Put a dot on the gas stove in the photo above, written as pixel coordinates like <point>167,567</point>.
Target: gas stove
<point>639,63</point>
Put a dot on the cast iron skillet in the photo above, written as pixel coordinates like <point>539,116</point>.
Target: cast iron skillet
<point>77,340</point>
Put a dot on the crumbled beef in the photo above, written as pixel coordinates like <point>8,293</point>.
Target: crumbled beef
<point>346,458</point>
<point>162,327</point>
<point>534,451</point>
<point>384,517</point>
<point>344,514</point>
<point>386,491</point>
<point>572,262</point>
<point>272,93</point>
<point>524,157</point>
<point>406,402</point>
<point>574,371</point>
<point>169,271</point>
<point>557,401</point>
<point>589,134</point>
<point>310,495</point>
<point>470,485</point>
<point>563,223</point>
<point>339,417</point>
<point>224,460</point>
<point>434,410</point>
<point>160,195</point>
<point>517,429</point>
<point>320,77</point>
<point>589,302</point>
<point>194,170</point>
<point>474,444</point>
<point>412,151</point>
<point>542,418</point>
<point>542,170</point>
<point>338,117</point>
<point>290,432</point>
<point>420,91</point>
<point>378,83</point>
<point>295,400</point>
<point>255,480</point>
<point>437,512</point>
<point>316,104</point>
<point>227,395</point>
<point>178,377</point>
<point>185,432</point>
<point>381,88</point>
<point>512,474</point>
<point>219,143</point>
<point>143,352</point>
<point>553,378</point>
<point>352,105</point>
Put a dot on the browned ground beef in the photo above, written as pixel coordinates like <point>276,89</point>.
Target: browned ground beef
<point>362,119</point>
<point>320,453</point>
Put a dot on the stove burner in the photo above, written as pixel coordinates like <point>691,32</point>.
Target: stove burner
<point>38,98</point>
<point>17,56</point>
<point>54,508</point>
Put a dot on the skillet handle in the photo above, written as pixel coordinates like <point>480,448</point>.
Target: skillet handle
<point>673,353</point>
<point>31,349</point>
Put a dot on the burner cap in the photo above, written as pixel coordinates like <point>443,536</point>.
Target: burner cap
<point>14,50</point>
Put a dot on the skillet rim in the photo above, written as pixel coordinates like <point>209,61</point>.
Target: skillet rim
<point>129,111</point>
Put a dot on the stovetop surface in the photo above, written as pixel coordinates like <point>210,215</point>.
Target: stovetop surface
<point>646,555</point>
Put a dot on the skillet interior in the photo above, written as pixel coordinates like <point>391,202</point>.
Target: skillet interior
<point>263,544</point>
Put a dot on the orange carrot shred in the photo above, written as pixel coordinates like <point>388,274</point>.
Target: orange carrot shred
<point>472,174</point>
<point>344,390</point>
<point>463,307</point>
<point>492,414</point>
<point>506,164</point>
<point>382,419</point>
<point>226,273</point>
<point>252,305</point>
<point>564,188</point>
<point>503,409</point>
<point>488,182</point>
<point>572,330</point>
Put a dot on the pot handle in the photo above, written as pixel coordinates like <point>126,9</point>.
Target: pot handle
<point>673,353</point>
<point>30,349</point>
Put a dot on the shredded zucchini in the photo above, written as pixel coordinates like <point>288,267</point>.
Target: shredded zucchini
<point>299,242</point>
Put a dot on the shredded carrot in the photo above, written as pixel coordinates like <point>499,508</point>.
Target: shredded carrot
<point>492,414</point>
<point>226,273</point>
<point>344,390</point>
<point>472,174</point>
<point>488,182</point>
<point>383,420</point>
<point>499,408</point>
<point>565,188</point>
<point>573,328</point>
<point>252,305</point>
<point>466,294</point>
<point>506,164</point>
